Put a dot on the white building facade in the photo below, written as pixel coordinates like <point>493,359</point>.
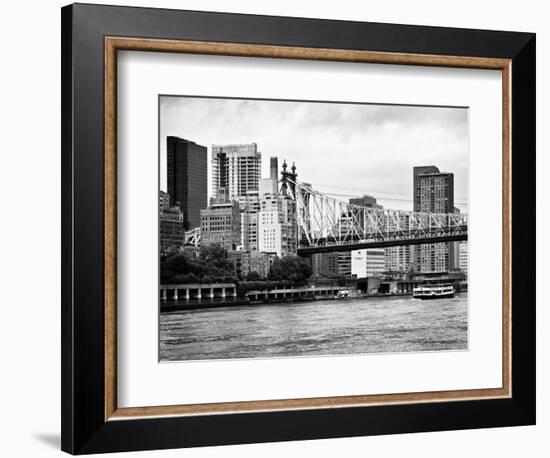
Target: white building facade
<point>368,262</point>
<point>277,231</point>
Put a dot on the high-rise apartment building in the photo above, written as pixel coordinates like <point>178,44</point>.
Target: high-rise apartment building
<point>277,231</point>
<point>221,224</point>
<point>186,167</point>
<point>249,206</point>
<point>171,231</point>
<point>433,193</point>
<point>433,190</point>
<point>236,168</point>
<point>398,258</point>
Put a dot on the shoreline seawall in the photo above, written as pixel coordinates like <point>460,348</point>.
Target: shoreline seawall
<point>194,304</point>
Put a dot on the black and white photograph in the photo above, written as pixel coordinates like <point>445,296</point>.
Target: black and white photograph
<point>307,228</point>
<point>275,229</point>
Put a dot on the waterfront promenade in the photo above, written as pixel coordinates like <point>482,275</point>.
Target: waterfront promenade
<point>198,291</point>
<point>197,295</point>
<point>208,295</point>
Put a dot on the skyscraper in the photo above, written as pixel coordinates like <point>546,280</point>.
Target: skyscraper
<point>235,168</point>
<point>433,190</point>
<point>186,167</point>
<point>433,193</point>
<point>274,168</point>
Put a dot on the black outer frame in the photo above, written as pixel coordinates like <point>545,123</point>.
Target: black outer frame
<point>84,429</point>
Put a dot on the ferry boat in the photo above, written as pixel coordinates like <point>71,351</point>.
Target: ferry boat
<point>344,294</point>
<point>434,291</point>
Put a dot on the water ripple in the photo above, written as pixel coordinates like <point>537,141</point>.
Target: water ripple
<point>330,327</point>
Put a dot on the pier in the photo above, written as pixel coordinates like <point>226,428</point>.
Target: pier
<point>208,295</point>
<point>198,291</point>
<point>295,293</point>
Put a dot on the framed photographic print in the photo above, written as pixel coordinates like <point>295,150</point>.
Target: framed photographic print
<point>282,228</point>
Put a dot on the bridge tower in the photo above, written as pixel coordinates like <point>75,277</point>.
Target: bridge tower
<point>288,181</point>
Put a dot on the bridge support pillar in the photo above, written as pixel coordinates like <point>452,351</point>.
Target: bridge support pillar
<point>175,294</point>
<point>223,292</point>
<point>187,293</point>
<point>164,295</point>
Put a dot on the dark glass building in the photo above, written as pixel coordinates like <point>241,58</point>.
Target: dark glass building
<point>187,175</point>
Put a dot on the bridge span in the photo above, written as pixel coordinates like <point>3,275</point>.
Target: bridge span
<point>305,250</point>
<point>325,224</point>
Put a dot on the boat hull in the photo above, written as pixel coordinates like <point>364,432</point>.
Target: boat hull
<point>434,296</point>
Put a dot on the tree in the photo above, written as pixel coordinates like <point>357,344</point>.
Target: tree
<point>292,268</point>
<point>213,254</point>
<point>166,275</point>
<point>177,263</point>
<point>214,262</point>
<point>184,279</point>
<point>253,276</point>
<point>212,265</point>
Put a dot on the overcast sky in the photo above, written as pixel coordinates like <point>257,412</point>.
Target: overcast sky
<point>343,149</point>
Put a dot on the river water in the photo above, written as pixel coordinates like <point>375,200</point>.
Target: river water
<point>329,327</point>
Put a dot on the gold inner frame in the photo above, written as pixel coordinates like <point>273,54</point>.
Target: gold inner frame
<point>114,44</point>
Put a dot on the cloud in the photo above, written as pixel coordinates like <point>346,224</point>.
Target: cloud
<point>369,148</point>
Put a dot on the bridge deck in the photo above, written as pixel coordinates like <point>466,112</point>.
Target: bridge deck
<point>359,245</point>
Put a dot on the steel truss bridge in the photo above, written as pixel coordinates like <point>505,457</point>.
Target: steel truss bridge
<point>326,224</point>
